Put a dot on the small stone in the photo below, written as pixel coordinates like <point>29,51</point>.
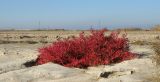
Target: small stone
<point>105,74</point>
<point>132,72</point>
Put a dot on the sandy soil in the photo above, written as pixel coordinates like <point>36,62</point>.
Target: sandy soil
<point>14,55</point>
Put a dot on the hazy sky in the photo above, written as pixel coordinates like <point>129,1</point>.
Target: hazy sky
<point>77,13</point>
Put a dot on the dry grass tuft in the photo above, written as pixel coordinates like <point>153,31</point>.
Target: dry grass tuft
<point>156,59</point>
<point>139,42</point>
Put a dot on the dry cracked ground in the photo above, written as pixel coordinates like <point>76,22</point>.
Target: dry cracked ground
<point>13,58</point>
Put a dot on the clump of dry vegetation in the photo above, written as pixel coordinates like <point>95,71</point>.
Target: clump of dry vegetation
<point>156,28</point>
<point>156,59</point>
<point>130,29</point>
<point>156,48</point>
<point>12,42</point>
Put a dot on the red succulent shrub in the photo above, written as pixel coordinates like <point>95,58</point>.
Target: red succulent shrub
<point>83,51</point>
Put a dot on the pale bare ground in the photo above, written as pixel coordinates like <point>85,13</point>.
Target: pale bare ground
<point>16,51</point>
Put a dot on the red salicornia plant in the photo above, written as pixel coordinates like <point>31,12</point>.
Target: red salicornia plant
<point>83,51</point>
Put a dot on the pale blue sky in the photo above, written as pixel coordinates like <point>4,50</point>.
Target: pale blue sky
<point>77,13</point>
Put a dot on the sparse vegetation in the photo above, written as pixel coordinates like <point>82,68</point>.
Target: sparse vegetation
<point>21,37</point>
<point>156,28</point>
<point>155,78</point>
<point>7,42</point>
<point>12,42</point>
<point>131,29</point>
<point>31,42</point>
<point>156,59</point>
<point>156,48</point>
<point>139,42</point>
